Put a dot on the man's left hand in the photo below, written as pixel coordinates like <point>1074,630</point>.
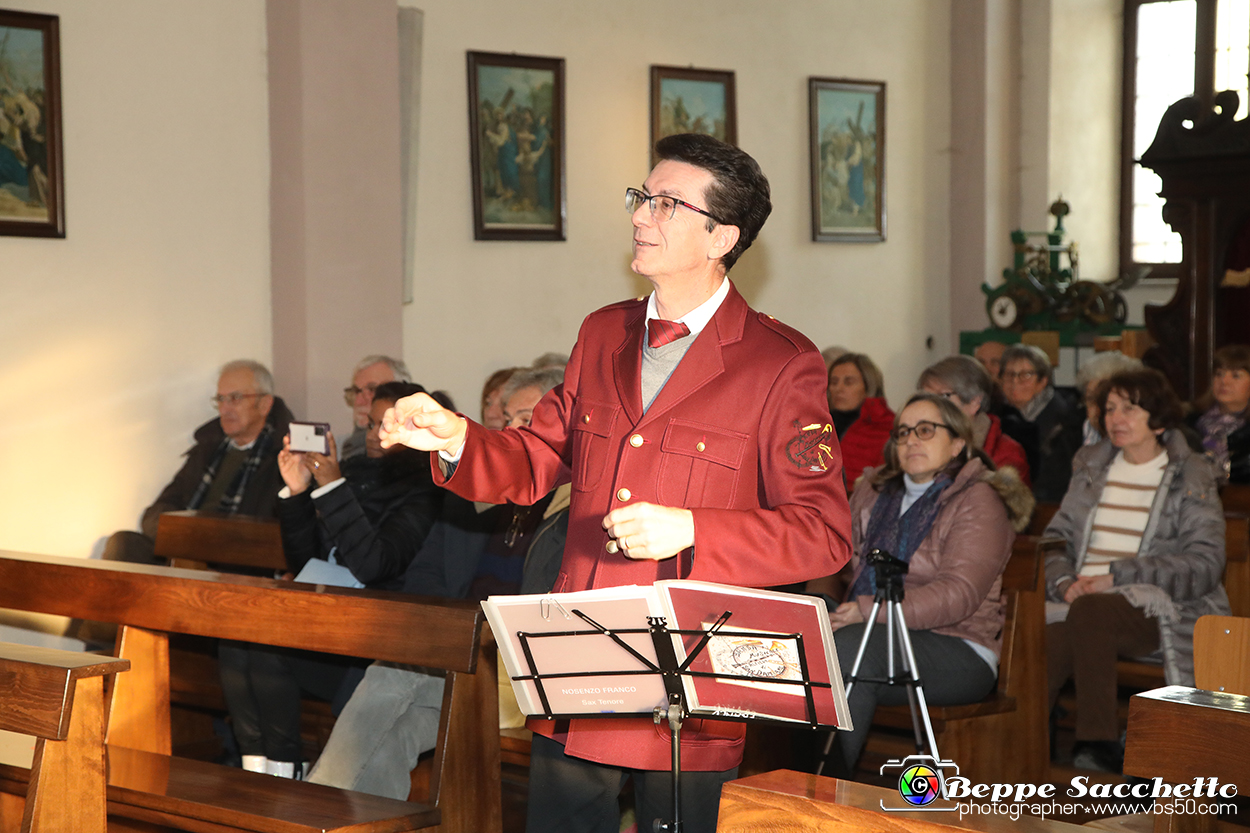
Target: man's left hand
<point>647,531</point>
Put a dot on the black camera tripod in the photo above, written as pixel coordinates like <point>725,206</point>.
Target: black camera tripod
<point>889,574</point>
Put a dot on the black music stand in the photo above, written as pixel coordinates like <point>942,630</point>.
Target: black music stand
<point>672,672</point>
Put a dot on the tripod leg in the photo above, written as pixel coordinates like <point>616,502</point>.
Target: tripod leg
<point>917,684</point>
<point>907,661</point>
<point>859,659</point>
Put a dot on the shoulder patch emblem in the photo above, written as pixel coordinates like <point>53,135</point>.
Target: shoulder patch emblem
<point>810,449</point>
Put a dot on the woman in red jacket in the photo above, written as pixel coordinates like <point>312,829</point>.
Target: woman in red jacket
<point>963,381</point>
<point>860,416</point>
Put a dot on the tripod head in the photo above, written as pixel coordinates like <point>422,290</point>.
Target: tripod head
<point>889,573</point>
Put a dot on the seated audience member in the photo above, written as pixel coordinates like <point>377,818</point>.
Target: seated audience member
<point>1221,416</point>
<point>393,715</point>
<point>861,418</point>
<point>492,403</point>
<point>370,372</point>
<point>990,355</point>
<point>1055,414</point>
<point>963,380</point>
<point>1144,557</point>
<point>371,516</point>
<point>1092,371</point>
<point>939,505</point>
<point>233,466</point>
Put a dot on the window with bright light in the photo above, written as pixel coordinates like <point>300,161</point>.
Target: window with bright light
<point>1173,49</point>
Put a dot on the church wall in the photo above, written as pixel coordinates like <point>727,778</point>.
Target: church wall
<point>111,337</point>
<point>482,305</point>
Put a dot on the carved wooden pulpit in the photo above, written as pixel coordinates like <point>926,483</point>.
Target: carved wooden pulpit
<point>1203,157</point>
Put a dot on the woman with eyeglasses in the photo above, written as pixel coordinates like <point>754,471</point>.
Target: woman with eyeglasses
<point>1053,414</point>
<point>861,417</point>
<point>1144,558</point>
<point>939,504</point>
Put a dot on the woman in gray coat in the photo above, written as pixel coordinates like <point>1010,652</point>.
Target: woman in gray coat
<point>1144,557</point>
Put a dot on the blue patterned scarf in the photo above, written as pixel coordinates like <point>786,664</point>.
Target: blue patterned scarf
<point>1215,426</point>
<point>899,536</point>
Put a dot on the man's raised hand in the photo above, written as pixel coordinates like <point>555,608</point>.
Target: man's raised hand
<point>419,422</point>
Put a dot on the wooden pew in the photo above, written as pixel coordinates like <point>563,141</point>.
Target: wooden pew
<point>58,696</point>
<point>1222,654</point>
<point>147,784</point>
<point>1236,498</point>
<point>794,802</point>
<point>241,540</point>
<point>1004,737</point>
<point>1043,511</point>
<point>1179,734</point>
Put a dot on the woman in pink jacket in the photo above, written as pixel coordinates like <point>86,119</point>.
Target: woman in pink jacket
<point>939,504</point>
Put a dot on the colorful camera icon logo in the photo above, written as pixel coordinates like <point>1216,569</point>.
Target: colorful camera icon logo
<point>919,785</point>
<point>920,780</point>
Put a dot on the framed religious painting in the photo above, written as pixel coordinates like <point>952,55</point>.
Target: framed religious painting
<point>847,124</point>
<point>516,139</point>
<point>32,187</point>
<point>688,100</point>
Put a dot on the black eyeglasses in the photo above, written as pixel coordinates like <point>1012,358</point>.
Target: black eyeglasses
<point>662,207</point>
<point>924,430</point>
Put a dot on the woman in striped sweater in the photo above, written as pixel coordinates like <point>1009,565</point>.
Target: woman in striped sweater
<point>1144,557</point>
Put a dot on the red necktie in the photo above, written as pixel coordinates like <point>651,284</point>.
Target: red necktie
<point>661,332</point>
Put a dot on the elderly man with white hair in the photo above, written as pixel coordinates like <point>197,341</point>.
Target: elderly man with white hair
<point>369,372</point>
<point>232,467</point>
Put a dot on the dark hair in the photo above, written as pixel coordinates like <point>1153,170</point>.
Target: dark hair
<point>395,391</point>
<point>1228,357</point>
<point>961,428</point>
<point>739,193</point>
<point>1232,357</point>
<point>1146,388</point>
<point>874,382</point>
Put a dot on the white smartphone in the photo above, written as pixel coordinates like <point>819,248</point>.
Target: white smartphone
<point>310,436</point>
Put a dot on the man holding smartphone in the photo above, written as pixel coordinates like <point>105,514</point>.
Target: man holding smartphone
<point>696,436</point>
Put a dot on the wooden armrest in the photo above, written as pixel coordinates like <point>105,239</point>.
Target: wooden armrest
<point>42,682</point>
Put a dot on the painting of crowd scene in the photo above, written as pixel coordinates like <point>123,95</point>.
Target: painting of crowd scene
<point>28,193</point>
<point>692,101</point>
<point>847,123</point>
<point>516,124</point>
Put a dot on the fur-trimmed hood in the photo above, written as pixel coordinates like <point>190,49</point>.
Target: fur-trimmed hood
<point>1016,496</point>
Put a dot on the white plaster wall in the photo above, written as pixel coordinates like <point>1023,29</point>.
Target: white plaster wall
<point>482,305</point>
<point>1085,127</point>
<point>110,338</point>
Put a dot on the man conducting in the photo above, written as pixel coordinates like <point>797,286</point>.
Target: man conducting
<point>695,433</point>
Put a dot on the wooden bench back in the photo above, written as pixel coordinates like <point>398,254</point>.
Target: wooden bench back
<point>1222,654</point>
<point>150,602</point>
<point>1236,498</point>
<point>1237,561</point>
<point>1043,511</point>
<point>241,540</point>
<point>1023,595</point>
<point>442,633</point>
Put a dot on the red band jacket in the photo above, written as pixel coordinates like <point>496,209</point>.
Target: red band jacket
<point>739,435</point>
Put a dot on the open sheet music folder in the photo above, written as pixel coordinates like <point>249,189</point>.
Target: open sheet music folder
<point>772,658</point>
